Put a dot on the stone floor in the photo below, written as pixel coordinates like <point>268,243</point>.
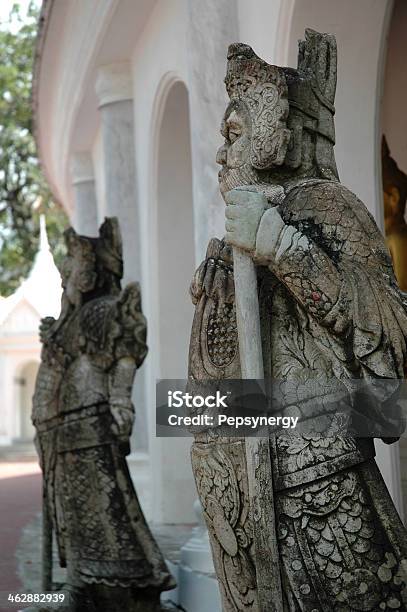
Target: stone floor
<point>20,502</point>
<point>20,538</point>
<point>169,537</point>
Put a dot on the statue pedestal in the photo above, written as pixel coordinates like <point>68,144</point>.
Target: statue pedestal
<point>189,559</point>
<point>196,591</point>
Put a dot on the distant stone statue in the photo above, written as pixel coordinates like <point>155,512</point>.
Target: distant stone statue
<point>330,310</point>
<point>83,415</point>
<point>395,196</point>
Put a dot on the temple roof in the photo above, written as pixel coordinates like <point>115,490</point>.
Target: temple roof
<point>42,288</point>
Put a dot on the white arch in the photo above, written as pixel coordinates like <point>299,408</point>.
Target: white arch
<point>175,231</point>
<point>24,383</point>
<point>171,264</point>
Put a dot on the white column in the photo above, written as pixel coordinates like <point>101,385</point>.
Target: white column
<point>217,21</point>
<point>83,181</point>
<point>114,89</point>
<point>115,96</point>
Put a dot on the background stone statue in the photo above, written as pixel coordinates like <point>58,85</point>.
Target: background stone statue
<point>394,197</point>
<point>330,311</point>
<point>83,414</point>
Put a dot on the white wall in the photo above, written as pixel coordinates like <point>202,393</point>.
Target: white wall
<point>158,64</point>
<point>265,27</point>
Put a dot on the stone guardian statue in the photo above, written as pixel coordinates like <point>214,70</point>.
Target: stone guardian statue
<point>330,310</point>
<point>83,415</point>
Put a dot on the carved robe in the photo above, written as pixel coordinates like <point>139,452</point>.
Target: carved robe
<point>88,365</point>
<point>329,306</point>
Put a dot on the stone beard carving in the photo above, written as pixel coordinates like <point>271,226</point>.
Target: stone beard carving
<point>329,306</point>
<point>83,415</point>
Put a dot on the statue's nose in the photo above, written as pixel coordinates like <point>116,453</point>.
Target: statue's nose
<point>221,155</point>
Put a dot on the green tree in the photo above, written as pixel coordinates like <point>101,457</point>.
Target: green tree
<point>24,193</point>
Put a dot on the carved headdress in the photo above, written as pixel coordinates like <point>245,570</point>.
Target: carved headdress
<point>276,97</point>
<point>103,253</point>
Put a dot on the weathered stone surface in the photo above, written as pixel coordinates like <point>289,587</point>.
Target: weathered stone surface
<point>83,415</point>
<point>329,308</point>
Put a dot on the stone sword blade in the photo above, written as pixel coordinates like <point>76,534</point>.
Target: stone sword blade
<point>259,469</point>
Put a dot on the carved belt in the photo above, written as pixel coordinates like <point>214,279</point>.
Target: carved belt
<point>76,415</point>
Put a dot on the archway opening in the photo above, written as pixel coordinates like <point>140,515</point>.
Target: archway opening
<point>173,482</point>
<point>175,233</point>
<point>26,382</point>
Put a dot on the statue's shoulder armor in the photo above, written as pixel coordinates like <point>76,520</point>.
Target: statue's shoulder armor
<point>94,320</point>
<point>115,325</point>
<point>337,220</point>
<point>130,325</point>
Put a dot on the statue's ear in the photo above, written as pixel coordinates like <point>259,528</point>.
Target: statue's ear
<point>269,146</point>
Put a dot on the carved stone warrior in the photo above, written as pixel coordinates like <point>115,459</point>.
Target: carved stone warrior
<point>83,415</point>
<point>329,309</point>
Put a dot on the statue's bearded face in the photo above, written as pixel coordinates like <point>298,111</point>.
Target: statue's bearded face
<point>234,154</point>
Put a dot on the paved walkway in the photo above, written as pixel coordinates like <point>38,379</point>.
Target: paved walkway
<point>20,533</point>
<point>20,502</point>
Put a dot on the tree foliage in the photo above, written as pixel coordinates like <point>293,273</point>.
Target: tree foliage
<point>24,194</point>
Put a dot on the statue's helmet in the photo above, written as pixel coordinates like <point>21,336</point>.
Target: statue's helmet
<point>262,89</point>
<point>102,254</point>
<point>282,102</point>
